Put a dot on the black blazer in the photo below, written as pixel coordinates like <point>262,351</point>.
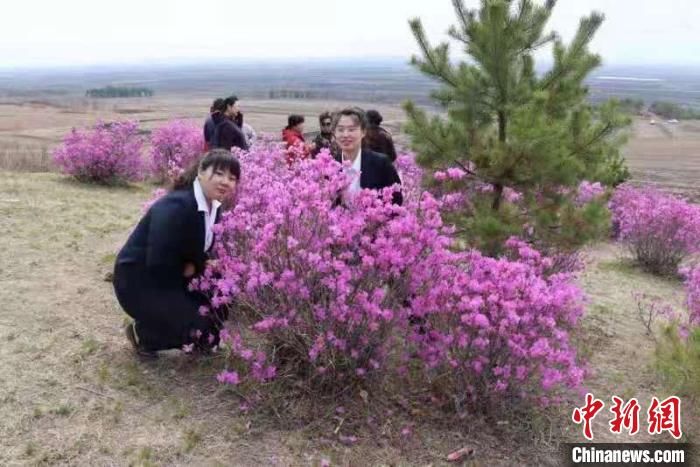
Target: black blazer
<point>168,236</point>
<point>228,135</point>
<point>377,172</point>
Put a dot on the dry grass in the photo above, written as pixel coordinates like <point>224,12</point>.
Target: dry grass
<point>620,353</point>
<point>666,156</point>
<point>72,393</point>
<point>20,156</point>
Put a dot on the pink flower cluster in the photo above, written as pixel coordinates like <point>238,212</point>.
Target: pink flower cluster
<point>106,153</point>
<point>588,192</point>
<point>455,189</point>
<point>175,146</point>
<point>327,292</point>
<point>660,229</point>
<point>453,173</point>
<point>685,322</point>
<point>321,284</point>
<point>449,190</point>
<point>411,175</point>
<point>500,328</point>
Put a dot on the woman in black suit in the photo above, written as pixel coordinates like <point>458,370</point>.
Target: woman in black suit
<point>169,246</point>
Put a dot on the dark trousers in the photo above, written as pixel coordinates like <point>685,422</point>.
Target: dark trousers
<point>166,317</point>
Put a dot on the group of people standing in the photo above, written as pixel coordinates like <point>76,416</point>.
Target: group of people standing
<point>376,137</point>
<point>224,127</point>
<point>172,242</point>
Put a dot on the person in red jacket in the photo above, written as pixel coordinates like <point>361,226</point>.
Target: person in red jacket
<point>293,136</point>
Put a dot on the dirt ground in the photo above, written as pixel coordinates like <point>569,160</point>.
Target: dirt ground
<point>71,393</point>
<point>666,155</point>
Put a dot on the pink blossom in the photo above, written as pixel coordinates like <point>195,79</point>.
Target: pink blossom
<point>660,229</point>
<point>692,287</point>
<point>440,176</point>
<point>588,192</point>
<point>106,153</point>
<point>337,287</point>
<point>454,173</point>
<point>228,377</point>
<point>175,146</point>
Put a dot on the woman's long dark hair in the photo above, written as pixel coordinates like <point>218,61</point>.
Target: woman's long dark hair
<point>219,159</point>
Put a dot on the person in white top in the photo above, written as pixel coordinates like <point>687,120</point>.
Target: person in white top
<point>169,247</point>
<point>209,208</point>
<point>368,169</point>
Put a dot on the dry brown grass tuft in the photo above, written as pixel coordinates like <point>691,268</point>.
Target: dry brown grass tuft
<point>25,157</point>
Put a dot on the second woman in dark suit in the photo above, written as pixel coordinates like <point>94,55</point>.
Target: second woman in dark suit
<point>168,247</point>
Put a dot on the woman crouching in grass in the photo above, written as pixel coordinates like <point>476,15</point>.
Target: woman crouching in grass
<point>167,249</point>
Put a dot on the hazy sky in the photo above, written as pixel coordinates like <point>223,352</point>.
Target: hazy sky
<point>67,32</point>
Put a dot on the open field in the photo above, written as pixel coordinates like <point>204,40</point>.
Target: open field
<point>30,129</point>
<point>666,155</point>
<point>73,394</point>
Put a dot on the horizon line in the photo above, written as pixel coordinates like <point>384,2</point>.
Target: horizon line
<point>193,61</point>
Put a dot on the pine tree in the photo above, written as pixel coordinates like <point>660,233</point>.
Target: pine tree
<point>508,126</point>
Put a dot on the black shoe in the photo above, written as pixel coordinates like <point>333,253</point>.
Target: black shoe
<point>133,338</point>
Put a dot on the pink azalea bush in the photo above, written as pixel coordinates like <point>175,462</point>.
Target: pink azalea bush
<point>175,146</point>
<point>559,219</point>
<point>459,187</point>
<point>660,229</point>
<point>317,284</point>
<point>332,293</point>
<point>448,188</point>
<point>411,175</point>
<point>588,192</point>
<point>106,153</point>
<point>499,330</point>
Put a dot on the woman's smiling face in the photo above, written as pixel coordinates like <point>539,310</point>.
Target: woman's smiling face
<point>217,184</point>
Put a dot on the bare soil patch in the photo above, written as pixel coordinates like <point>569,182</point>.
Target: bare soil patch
<point>669,160</point>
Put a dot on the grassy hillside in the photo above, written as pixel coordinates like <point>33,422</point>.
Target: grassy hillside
<point>72,393</point>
